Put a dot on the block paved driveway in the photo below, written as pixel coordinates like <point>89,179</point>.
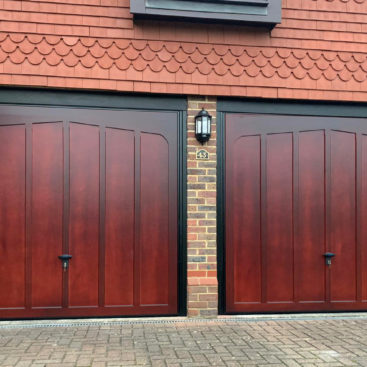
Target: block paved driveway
<point>247,341</point>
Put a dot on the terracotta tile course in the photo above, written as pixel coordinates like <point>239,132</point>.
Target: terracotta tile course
<point>74,83</point>
<point>91,84</point>
<point>313,48</point>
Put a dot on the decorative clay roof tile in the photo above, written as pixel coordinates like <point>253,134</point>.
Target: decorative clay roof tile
<point>156,65</point>
<point>299,72</point>
<point>337,64</point>
<point>140,64</point>
<point>344,75</point>
<point>181,56</point>
<point>164,55</point>
<point>78,49</point>
<point>3,56</point>
<point>187,62</point>
<point>213,58</point>
<point>315,73</point>
<point>131,53</point>
<point>276,61</point>
<point>122,63</point>
<point>260,60</point>
<point>88,60</point>
<point>229,59</point>
<point>244,59</point>
<point>268,70</point>
<point>96,50</point>
<point>220,68</point>
<point>330,74</point>
<point>172,66</point>
<point>35,58</point>
<point>236,69</point>
<point>292,62</point>
<point>61,48</point>
<point>105,62</point>
<point>322,63</point>
<point>197,57</point>
<point>252,70</point>
<point>284,71</point>
<point>359,75</point>
<point>205,68</point>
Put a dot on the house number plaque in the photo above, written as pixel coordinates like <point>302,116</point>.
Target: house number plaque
<point>202,154</point>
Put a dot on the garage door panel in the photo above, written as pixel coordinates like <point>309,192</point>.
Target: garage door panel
<point>12,216</point>
<point>154,229</point>
<point>313,201</point>
<point>310,239</point>
<point>84,215</point>
<point>102,186</point>
<point>46,229</point>
<point>120,217</point>
<point>343,215</point>
<point>363,217</point>
<point>279,227</point>
<point>245,193</point>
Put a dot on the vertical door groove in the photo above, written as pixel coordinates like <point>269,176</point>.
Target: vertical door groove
<point>295,240</point>
<point>327,158</point>
<point>263,203</point>
<point>358,202</point>
<point>28,209</point>
<point>102,215</point>
<point>66,210</point>
<point>137,212</point>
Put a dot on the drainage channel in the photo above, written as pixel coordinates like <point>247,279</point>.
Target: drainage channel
<point>174,320</point>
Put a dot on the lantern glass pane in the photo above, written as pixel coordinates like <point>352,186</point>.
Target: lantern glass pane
<point>205,125</point>
<point>198,126</point>
<point>209,125</point>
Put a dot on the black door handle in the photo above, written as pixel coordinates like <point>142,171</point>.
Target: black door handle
<point>65,260</point>
<point>328,256</point>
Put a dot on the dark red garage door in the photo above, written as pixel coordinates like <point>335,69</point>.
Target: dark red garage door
<point>100,186</point>
<point>296,188</point>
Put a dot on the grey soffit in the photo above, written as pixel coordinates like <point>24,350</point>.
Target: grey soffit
<point>265,12</point>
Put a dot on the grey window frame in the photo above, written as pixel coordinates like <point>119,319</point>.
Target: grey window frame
<point>258,12</point>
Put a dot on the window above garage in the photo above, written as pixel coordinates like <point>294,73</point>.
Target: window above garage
<point>266,12</point>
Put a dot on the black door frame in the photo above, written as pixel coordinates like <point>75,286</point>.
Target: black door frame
<point>120,101</point>
<point>271,107</point>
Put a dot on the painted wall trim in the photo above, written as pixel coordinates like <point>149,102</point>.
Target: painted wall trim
<point>54,97</point>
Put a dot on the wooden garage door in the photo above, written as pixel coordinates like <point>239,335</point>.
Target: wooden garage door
<point>296,188</point>
<point>96,184</point>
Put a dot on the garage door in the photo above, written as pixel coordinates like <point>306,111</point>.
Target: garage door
<point>296,197</point>
<point>99,186</point>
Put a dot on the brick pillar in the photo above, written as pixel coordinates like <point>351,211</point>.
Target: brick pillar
<point>201,223</point>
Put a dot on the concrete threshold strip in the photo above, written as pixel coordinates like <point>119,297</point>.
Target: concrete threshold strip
<point>173,320</point>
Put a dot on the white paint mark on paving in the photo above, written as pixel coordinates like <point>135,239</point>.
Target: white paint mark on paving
<point>329,353</point>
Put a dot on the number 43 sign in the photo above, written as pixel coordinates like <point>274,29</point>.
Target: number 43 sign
<point>202,154</point>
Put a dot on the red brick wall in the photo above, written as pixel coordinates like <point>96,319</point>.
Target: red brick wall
<point>318,51</point>
<point>201,215</point>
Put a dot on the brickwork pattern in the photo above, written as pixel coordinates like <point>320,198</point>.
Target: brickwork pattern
<point>201,222</point>
<point>318,52</point>
<point>315,343</point>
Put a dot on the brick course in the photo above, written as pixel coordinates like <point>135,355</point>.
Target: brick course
<point>201,222</point>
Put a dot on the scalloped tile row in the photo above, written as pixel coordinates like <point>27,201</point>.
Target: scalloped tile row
<point>188,57</point>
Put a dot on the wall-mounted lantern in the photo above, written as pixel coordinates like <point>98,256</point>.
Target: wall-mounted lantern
<point>202,126</point>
